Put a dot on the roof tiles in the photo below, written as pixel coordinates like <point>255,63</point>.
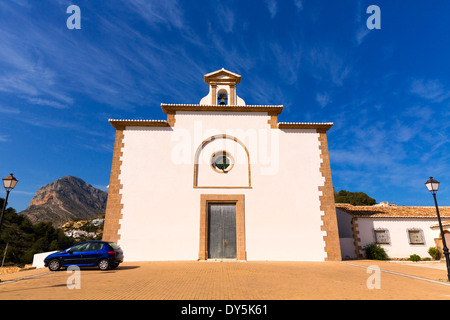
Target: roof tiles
<point>394,211</point>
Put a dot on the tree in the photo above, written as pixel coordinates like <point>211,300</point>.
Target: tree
<point>354,198</point>
<point>26,239</point>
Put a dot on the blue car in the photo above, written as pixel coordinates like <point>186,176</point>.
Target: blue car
<point>104,255</point>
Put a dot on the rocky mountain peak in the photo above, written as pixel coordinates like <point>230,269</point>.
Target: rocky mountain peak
<point>66,199</point>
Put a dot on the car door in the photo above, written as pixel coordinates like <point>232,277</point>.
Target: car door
<point>74,254</point>
<point>92,253</point>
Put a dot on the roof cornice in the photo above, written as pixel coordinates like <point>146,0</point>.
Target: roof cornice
<point>173,108</point>
<point>117,123</point>
<point>305,125</point>
<point>234,77</point>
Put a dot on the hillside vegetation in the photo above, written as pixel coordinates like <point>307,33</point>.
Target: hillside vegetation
<point>25,239</point>
<point>354,198</point>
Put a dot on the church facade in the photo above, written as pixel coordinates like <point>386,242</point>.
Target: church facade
<point>221,180</point>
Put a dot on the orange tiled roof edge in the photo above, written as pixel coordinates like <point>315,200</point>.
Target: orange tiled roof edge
<point>394,211</point>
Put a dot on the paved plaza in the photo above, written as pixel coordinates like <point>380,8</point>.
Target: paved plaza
<point>249,280</point>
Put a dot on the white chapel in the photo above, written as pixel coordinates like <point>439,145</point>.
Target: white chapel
<point>222,180</point>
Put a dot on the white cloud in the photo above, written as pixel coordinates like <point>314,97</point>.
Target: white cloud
<point>298,4</point>
<point>288,59</point>
<point>328,64</point>
<point>361,33</point>
<point>323,99</point>
<point>273,7</point>
<point>9,110</point>
<point>432,90</point>
<point>4,138</point>
<point>27,193</point>
<point>45,102</point>
<point>225,17</point>
<point>167,12</point>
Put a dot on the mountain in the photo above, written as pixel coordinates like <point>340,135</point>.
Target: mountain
<point>66,199</point>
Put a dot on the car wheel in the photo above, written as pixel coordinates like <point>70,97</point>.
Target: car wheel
<point>103,264</point>
<point>54,265</point>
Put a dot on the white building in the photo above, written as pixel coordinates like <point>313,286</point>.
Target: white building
<point>400,230</point>
<point>221,180</point>
<point>79,234</point>
<point>97,222</point>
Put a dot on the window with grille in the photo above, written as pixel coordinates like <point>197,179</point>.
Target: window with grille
<point>415,236</point>
<point>222,161</point>
<point>382,236</point>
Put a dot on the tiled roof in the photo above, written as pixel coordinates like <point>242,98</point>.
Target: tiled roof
<point>394,211</point>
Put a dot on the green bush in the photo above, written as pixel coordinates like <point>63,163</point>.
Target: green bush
<point>414,257</point>
<point>434,253</point>
<point>375,252</point>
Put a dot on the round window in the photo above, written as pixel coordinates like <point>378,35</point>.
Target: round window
<point>221,161</point>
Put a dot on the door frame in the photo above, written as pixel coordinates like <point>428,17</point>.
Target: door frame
<point>239,200</point>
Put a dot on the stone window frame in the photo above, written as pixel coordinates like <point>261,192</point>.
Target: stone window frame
<point>388,237</point>
<point>422,235</point>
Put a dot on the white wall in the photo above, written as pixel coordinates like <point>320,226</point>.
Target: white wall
<point>399,246</point>
<point>161,213</point>
<point>347,248</point>
<point>38,259</point>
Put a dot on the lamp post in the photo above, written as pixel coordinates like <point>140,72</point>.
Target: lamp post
<point>433,187</point>
<point>9,183</point>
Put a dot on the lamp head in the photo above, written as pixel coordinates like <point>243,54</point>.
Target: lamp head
<point>10,182</point>
<point>432,185</point>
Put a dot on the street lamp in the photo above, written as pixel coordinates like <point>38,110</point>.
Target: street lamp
<point>9,183</point>
<point>433,187</point>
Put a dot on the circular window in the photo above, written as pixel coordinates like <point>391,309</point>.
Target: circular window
<point>221,162</point>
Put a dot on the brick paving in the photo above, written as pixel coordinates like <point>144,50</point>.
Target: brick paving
<point>192,280</point>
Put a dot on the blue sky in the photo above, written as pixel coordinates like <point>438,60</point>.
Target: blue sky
<point>386,90</point>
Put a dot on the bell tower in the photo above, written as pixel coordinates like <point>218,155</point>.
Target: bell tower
<point>222,89</point>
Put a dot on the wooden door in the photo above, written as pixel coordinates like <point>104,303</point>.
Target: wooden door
<point>222,231</point>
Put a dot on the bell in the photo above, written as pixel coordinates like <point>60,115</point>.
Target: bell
<point>222,99</point>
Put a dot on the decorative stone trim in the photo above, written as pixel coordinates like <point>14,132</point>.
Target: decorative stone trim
<point>356,238</point>
<point>239,200</point>
<point>273,121</point>
<point>171,119</point>
<point>329,219</point>
<point>114,204</point>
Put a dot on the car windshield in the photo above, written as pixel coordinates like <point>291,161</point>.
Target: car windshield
<point>113,245</point>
